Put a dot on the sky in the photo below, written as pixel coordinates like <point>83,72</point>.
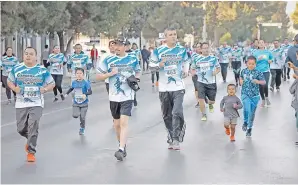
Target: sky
<point>291,7</point>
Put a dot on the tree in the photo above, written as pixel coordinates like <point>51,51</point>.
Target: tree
<point>294,17</point>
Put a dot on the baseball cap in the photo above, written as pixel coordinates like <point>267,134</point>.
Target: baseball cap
<point>120,40</point>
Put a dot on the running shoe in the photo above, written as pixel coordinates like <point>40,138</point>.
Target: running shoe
<point>8,102</point>
<point>232,138</point>
<point>285,79</point>
<point>268,102</point>
<point>296,143</point>
<point>119,155</point>
<point>30,157</point>
<point>271,88</point>
<point>228,132</point>
<point>244,127</point>
<point>176,145</point>
<point>211,108</point>
<point>170,147</point>
<point>204,117</point>
<point>62,97</point>
<point>263,104</point>
<point>56,99</point>
<point>278,89</point>
<point>248,132</point>
<point>197,105</point>
<point>82,131</point>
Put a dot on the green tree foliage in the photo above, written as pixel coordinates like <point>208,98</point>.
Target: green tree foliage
<point>294,17</point>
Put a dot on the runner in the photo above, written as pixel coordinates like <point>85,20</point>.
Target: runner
<point>236,57</point>
<point>276,66</point>
<point>195,77</point>
<point>224,54</point>
<point>173,62</point>
<point>250,79</point>
<point>79,60</point>
<point>206,67</point>
<point>286,46</point>
<point>264,58</point>
<point>229,105</point>
<point>82,90</point>
<point>30,81</point>
<point>118,69</point>
<point>7,62</point>
<point>56,62</point>
<point>154,71</point>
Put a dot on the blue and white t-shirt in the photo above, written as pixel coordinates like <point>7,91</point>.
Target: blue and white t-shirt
<point>119,91</point>
<point>79,61</point>
<point>237,54</point>
<point>104,57</point>
<point>277,61</point>
<point>79,89</point>
<point>249,88</point>
<point>263,57</point>
<point>285,49</point>
<point>56,63</point>
<point>205,66</point>
<point>177,62</point>
<point>30,80</point>
<point>7,63</point>
<point>224,54</point>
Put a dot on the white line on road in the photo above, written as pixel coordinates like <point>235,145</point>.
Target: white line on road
<point>48,113</point>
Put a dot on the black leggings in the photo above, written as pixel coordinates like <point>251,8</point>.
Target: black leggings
<point>152,76</point>
<point>8,90</point>
<point>58,82</point>
<point>145,63</point>
<point>236,65</point>
<point>264,88</point>
<point>224,70</point>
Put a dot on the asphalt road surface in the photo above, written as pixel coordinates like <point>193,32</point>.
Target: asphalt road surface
<point>206,156</point>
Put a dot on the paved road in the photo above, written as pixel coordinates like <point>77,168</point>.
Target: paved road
<point>207,156</point>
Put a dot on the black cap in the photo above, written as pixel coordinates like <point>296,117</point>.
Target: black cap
<point>120,40</point>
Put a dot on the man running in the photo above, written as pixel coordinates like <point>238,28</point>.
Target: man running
<point>112,53</point>
<point>286,46</point>
<point>195,77</point>
<point>79,60</point>
<point>118,69</point>
<point>276,66</point>
<point>224,54</point>
<point>206,67</point>
<point>30,81</point>
<point>173,63</point>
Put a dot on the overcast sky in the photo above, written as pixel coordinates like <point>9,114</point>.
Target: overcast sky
<point>291,7</point>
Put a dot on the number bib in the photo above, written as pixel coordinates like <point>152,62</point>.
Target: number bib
<point>56,66</point>
<point>79,97</point>
<point>204,67</point>
<point>171,70</point>
<point>76,63</point>
<point>31,92</point>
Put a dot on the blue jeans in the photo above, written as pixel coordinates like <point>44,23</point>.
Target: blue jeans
<point>249,109</point>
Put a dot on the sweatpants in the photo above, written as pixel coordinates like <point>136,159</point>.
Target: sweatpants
<point>250,105</point>
<point>172,111</point>
<point>275,77</point>
<point>27,125</point>
<point>236,65</point>
<point>58,84</point>
<point>264,88</point>
<point>224,70</point>
<point>8,90</point>
<point>80,111</point>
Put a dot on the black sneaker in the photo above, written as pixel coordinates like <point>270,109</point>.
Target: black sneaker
<point>197,105</point>
<point>62,97</point>
<point>285,78</point>
<point>56,99</point>
<point>277,88</point>
<point>296,143</point>
<point>272,89</point>
<point>119,155</point>
<point>248,132</point>
<point>244,127</point>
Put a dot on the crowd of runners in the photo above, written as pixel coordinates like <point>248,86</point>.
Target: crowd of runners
<point>253,66</point>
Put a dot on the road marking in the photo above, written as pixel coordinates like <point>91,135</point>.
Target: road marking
<point>45,114</point>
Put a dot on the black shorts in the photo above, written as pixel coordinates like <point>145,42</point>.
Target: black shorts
<point>108,87</point>
<point>207,90</point>
<point>121,108</point>
<point>195,80</point>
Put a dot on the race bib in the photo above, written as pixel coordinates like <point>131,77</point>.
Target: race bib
<point>31,92</point>
<point>171,70</point>
<point>56,66</point>
<point>77,63</point>
<point>204,67</point>
<point>79,96</point>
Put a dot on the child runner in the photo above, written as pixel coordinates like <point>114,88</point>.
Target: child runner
<point>250,79</point>
<point>81,89</point>
<point>229,105</point>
